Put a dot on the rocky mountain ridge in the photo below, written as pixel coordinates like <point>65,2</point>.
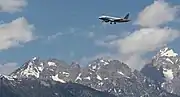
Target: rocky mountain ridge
<point>112,76</point>
<point>45,88</point>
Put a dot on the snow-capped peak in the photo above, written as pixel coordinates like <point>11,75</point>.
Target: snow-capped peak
<point>165,68</point>
<point>166,59</point>
<point>31,68</point>
<point>167,52</point>
<point>51,69</point>
<point>96,64</point>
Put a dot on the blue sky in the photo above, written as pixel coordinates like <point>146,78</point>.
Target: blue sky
<point>75,21</point>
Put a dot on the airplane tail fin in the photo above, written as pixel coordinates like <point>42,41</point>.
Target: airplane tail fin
<point>127,16</point>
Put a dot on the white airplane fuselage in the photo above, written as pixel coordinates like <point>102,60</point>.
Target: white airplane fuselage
<point>112,19</point>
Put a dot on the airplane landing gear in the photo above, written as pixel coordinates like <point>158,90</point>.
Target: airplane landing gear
<point>112,22</point>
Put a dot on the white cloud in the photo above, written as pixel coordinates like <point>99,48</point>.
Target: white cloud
<point>158,13</point>
<point>105,41</point>
<point>145,40</point>
<point>8,68</point>
<point>55,36</point>
<point>91,34</point>
<point>72,30</point>
<point>135,61</point>
<point>12,6</point>
<point>16,32</point>
<point>110,37</point>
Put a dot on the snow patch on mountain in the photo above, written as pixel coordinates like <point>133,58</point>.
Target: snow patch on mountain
<point>7,77</point>
<point>167,52</point>
<point>66,74</point>
<point>88,77</point>
<point>98,77</point>
<point>56,78</point>
<point>51,63</point>
<point>31,70</point>
<point>168,73</point>
<point>40,68</point>
<point>120,72</point>
<point>78,77</point>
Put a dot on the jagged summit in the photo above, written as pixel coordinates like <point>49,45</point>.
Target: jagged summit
<point>166,52</point>
<point>167,57</point>
<point>35,58</point>
<point>165,69</point>
<point>51,69</point>
<point>30,68</point>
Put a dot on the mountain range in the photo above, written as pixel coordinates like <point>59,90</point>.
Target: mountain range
<point>100,78</point>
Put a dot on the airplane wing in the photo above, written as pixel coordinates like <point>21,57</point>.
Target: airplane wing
<point>117,19</point>
<point>111,20</point>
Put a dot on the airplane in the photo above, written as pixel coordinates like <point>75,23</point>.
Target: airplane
<point>111,19</point>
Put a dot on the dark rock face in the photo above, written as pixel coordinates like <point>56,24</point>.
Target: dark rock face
<point>40,88</point>
<point>151,72</point>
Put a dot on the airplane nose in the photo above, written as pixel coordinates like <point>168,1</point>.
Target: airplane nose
<point>100,17</point>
